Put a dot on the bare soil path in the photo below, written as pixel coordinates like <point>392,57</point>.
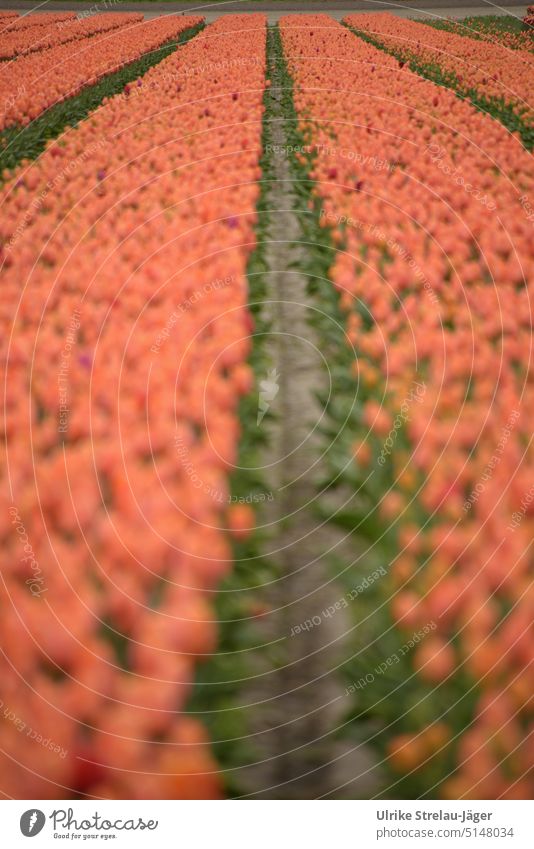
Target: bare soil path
<point>299,699</point>
<point>274,8</point>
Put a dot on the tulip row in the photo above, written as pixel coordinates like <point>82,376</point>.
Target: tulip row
<point>18,143</point>
<point>428,200</point>
<point>489,28</point>
<point>43,79</point>
<point>5,15</point>
<point>496,80</point>
<point>19,42</point>
<point>529,18</point>
<point>39,20</point>
<point>125,335</point>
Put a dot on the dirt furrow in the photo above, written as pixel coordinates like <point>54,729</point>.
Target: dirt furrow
<point>297,691</point>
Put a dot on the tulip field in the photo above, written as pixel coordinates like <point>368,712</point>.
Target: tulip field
<point>514,34</point>
<point>268,469</point>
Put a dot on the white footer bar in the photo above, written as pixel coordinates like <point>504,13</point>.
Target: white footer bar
<point>267,824</point>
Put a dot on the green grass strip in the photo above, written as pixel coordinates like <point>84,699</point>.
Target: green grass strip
<point>494,107</point>
<point>17,142</point>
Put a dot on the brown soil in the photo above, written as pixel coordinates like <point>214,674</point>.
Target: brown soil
<point>299,698</point>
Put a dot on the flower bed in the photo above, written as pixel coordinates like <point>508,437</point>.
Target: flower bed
<point>124,250</point>
<point>496,79</point>
<point>19,42</point>
<point>43,79</point>
<point>493,28</point>
<point>430,204</point>
<point>38,20</point>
